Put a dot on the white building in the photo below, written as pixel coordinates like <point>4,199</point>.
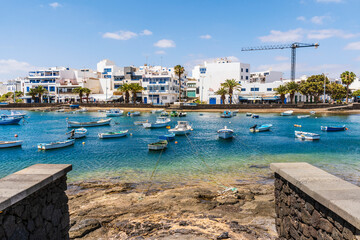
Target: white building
<point>211,74</point>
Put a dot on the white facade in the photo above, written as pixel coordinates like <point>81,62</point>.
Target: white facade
<point>211,74</point>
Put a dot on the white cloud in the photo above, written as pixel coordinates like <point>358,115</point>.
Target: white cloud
<point>329,1</point>
<point>120,35</point>
<point>55,5</point>
<point>160,52</point>
<point>233,59</point>
<point>281,58</point>
<point>279,36</point>
<point>353,46</point>
<point>301,18</point>
<point>329,33</point>
<point>10,68</point>
<point>319,19</point>
<point>207,36</point>
<point>165,43</point>
<point>146,32</point>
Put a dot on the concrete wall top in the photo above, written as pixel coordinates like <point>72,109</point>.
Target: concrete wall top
<point>19,185</point>
<point>341,197</point>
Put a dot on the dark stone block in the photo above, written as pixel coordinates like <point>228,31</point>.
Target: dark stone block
<point>2,232</point>
<point>31,225</point>
<point>35,210</point>
<point>39,233</point>
<point>39,222</point>
<point>9,225</point>
<point>56,217</point>
<point>47,212</point>
<point>19,233</point>
<point>18,209</point>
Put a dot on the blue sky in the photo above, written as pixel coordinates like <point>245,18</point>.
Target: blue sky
<point>80,33</point>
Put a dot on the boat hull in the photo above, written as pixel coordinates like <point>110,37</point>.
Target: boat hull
<point>307,136</point>
<point>49,146</point>
<point>114,114</point>
<point>168,137</point>
<point>333,129</point>
<point>161,145</point>
<point>180,132</point>
<point>89,124</point>
<point>225,135</point>
<point>116,135</point>
<point>10,144</point>
<point>15,120</point>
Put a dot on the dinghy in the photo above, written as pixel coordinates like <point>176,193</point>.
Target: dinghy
<point>225,133</point>
<point>255,116</point>
<point>133,114</point>
<point>78,133</point>
<point>226,114</point>
<point>312,112</point>
<point>168,137</point>
<point>102,122</point>
<point>333,128</point>
<point>261,128</point>
<point>156,146</point>
<point>235,112</point>
<point>114,113</point>
<point>164,114</point>
<point>6,120</point>
<point>157,110</point>
<point>160,122</point>
<point>287,113</point>
<point>174,114</point>
<point>10,144</point>
<point>303,116</point>
<point>248,114</point>
<point>81,110</point>
<point>307,135</point>
<point>182,128</point>
<point>113,134</point>
<point>182,114</point>
<point>55,145</point>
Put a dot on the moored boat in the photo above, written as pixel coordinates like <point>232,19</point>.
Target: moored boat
<point>248,114</point>
<point>102,122</point>
<point>17,114</point>
<point>333,128</point>
<point>182,114</point>
<point>160,122</point>
<point>225,133</point>
<point>6,120</point>
<point>114,113</point>
<point>312,112</point>
<point>73,106</point>
<point>60,110</point>
<point>182,128</point>
<point>81,110</point>
<point>307,135</point>
<point>77,133</point>
<point>235,112</point>
<point>303,116</point>
<point>159,145</point>
<point>226,114</point>
<point>164,114</point>
<point>54,145</point>
<point>261,128</point>
<point>254,116</point>
<point>287,113</point>
<point>10,144</point>
<point>113,134</point>
<point>168,137</point>
<point>133,114</point>
<point>174,114</point>
<point>157,110</point>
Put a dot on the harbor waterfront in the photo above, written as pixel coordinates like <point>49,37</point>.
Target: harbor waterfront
<point>199,156</point>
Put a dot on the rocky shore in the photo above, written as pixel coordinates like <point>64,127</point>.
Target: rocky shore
<point>107,209</point>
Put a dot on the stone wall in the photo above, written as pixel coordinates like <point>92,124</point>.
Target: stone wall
<point>33,203</point>
<point>300,216</point>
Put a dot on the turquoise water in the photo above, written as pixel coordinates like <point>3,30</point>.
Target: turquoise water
<point>199,156</point>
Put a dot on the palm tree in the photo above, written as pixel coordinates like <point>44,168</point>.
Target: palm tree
<point>222,92</point>
<point>179,70</point>
<point>125,88</point>
<point>347,78</point>
<point>281,90</point>
<point>291,88</point>
<point>135,88</point>
<point>87,92</point>
<point>41,91</point>
<point>231,85</point>
<point>80,91</point>
<point>33,93</point>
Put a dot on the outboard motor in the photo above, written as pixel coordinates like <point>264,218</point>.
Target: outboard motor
<point>253,127</point>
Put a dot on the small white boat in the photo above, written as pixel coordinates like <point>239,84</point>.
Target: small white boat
<point>54,145</point>
<point>287,113</point>
<point>164,114</point>
<point>160,122</point>
<point>17,114</point>
<point>133,114</point>
<point>225,133</point>
<point>303,116</point>
<point>113,134</point>
<point>140,122</point>
<point>182,114</point>
<point>254,115</point>
<point>78,133</point>
<point>157,111</point>
<point>235,112</point>
<point>160,145</point>
<point>102,122</point>
<point>226,114</point>
<point>312,112</point>
<point>81,110</point>
<point>248,114</point>
<point>9,144</point>
<point>182,128</point>
<point>307,135</point>
<point>60,110</point>
<point>114,113</point>
<point>261,128</point>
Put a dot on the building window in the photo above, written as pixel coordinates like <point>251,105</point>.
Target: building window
<point>243,89</point>
<point>202,70</point>
<point>242,70</point>
<point>52,89</point>
<point>247,70</point>
<point>254,89</point>
<point>247,77</point>
<point>269,89</point>
<point>242,77</point>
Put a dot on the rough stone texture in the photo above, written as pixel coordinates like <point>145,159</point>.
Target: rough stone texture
<point>42,215</point>
<point>298,216</point>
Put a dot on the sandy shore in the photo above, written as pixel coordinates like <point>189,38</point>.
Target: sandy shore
<point>110,209</point>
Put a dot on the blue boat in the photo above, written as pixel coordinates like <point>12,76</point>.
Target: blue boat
<point>262,128</point>
<point>73,106</point>
<point>226,114</point>
<point>255,116</point>
<point>168,137</point>
<point>333,128</point>
<point>6,120</point>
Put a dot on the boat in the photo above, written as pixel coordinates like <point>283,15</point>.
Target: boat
<point>287,113</point>
<point>225,133</point>
<point>9,144</point>
<point>226,114</point>
<point>60,110</point>
<point>133,114</point>
<point>182,114</point>
<point>159,145</point>
<point>160,122</point>
<point>140,122</point>
<point>312,112</point>
<point>248,114</point>
<point>182,128</point>
<point>7,120</point>
<point>255,116</point>
<point>54,145</point>
<point>17,114</point>
<point>113,134</point>
<point>78,133</point>
<point>102,122</point>
<point>73,106</point>
<point>157,111</point>
<point>235,112</point>
<point>261,128</point>
<point>307,135</point>
<point>174,114</point>
<point>114,113</point>
<point>168,137</point>
<point>333,128</point>
<point>81,110</point>
<point>164,114</point>
<point>303,116</point>
<point>101,110</point>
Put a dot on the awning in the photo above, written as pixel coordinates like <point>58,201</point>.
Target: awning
<point>274,98</point>
<point>242,98</point>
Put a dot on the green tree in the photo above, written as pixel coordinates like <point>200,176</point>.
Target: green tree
<point>80,91</point>
<point>125,89</point>
<point>41,91</point>
<point>179,70</point>
<point>231,85</point>
<point>356,93</point>
<point>222,92</point>
<point>135,88</point>
<point>33,93</point>
<point>303,88</point>
<point>336,91</point>
<point>292,88</point>
<point>347,78</point>
<point>281,90</point>
<point>87,92</point>
<point>315,86</point>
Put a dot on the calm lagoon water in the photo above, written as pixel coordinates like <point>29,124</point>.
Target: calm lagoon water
<point>198,156</point>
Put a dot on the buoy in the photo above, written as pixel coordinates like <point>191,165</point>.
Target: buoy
<point>296,125</point>
<point>175,142</point>
<point>83,143</point>
<point>130,134</point>
<point>16,135</point>
<point>346,129</point>
<point>167,127</point>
